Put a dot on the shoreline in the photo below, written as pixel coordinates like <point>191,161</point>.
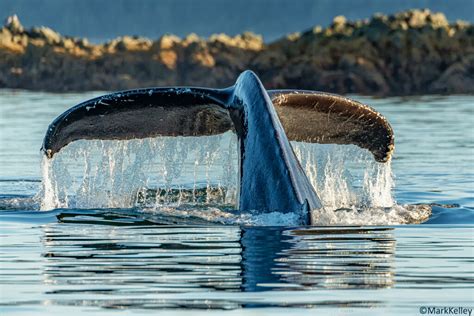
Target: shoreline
<point>414,52</point>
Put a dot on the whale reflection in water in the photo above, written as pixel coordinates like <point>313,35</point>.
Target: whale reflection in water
<point>176,266</point>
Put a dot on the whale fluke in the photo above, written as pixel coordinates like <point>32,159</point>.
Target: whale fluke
<point>271,177</point>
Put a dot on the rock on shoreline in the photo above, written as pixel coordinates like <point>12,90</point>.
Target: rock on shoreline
<point>411,52</point>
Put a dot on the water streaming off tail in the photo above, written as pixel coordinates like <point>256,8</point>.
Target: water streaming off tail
<point>198,176</point>
<point>345,175</point>
<point>147,172</point>
<point>353,187</point>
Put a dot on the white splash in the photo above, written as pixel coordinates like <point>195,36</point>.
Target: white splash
<point>197,177</point>
<point>51,191</point>
<point>115,174</point>
<point>354,189</point>
<point>346,176</point>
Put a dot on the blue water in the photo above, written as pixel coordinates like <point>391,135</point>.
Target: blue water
<point>105,260</point>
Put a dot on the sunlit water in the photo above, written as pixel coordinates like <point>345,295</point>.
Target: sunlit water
<point>152,236</point>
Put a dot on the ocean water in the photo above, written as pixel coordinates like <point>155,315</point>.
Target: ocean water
<point>144,226</point>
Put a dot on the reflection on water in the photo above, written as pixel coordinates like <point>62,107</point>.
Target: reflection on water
<point>148,261</point>
<point>95,260</point>
<point>340,258</point>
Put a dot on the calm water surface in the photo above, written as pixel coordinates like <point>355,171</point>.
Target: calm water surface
<point>100,261</point>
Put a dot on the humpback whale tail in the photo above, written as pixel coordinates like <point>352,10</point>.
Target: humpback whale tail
<point>271,178</point>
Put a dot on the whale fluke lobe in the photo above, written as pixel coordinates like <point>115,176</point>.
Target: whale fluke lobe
<point>271,177</point>
<point>139,114</point>
<point>318,117</point>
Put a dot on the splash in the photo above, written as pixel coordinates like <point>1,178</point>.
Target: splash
<point>346,176</point>
<point>353,187</point>
<point>197,178</point>
<point>142,173</point>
